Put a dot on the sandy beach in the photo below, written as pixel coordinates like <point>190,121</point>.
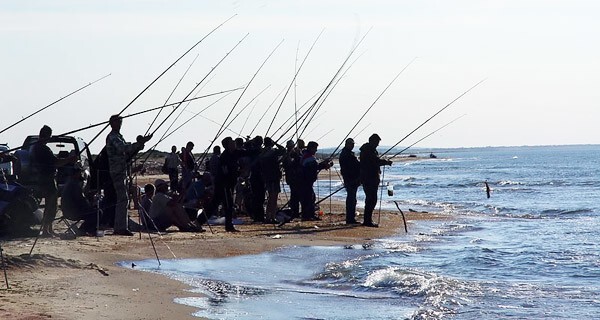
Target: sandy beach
<point>80,278</point>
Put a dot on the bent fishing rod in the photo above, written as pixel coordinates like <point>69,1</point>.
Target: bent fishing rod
<point>158,77</point>
<point>220,131</point>
<point>370,107</point>
<point>173,91</point>
<point>292,82</point>
<point>433,116</point>
<point>447,124</point>
<point>53,103</point>
<point>126,116</point>
<point>321,99</point>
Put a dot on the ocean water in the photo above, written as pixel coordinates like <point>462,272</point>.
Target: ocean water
<point>530,251</point>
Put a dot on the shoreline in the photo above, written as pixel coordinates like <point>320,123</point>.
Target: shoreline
<point>80,278</point>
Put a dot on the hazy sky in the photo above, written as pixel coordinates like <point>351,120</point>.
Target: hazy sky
<point>540,59</point>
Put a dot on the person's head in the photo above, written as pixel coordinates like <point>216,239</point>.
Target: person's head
<point>161,185</point>
<point>174,149</point>
<point>115,122</point>
<point>45,133</point>
<point>257,141</point>
<point>269,142</point>
<point>149,190</point>
<point>228,143</point>
<point>239,143</point>
<point>349,144</point>
<point>189,146</point>
<point>300,144</point>
<point>289,145</point>
<point>217,150</point>
<point>374,139</point>
<point>312,147</point>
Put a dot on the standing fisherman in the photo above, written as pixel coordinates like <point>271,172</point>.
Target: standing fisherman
<point>226,180</point>
<point>173,163</point>
<point>369,176</point>
<point>188,164</point>
<point>292,166</point>
<point>270,162</point>
<point>119,154</point>
<point>310,172</point>
<point>46,163</point>
<point>350,167</point>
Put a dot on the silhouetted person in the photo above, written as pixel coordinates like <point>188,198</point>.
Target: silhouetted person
<point>350,168</point>
<point>369,176</point>
<point>310,172</point>
<point>120,154</point>
<point>45,164</point>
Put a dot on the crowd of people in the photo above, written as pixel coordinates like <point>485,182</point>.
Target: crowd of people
<point>242,175</point>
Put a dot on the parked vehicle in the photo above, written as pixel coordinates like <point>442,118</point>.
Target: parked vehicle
<point>6,167</point>
<point>62,147</point>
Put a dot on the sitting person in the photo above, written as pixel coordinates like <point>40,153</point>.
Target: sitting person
<point>197,197</point>
<point>146,204</point>
<point>166,212</point>
<point>75,206</point>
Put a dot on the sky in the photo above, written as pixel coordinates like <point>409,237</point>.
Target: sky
<point>539,59</point>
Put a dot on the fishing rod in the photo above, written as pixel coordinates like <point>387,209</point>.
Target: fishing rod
<point>370,107</point>
<point>295,88</point>
<point>220,131</point>
<point>265,113</point>
<point>244,108</point>
<point>435,114</point>
<point>291,117</point>
<point>326,133</point>
<point>192,91</point>
<point>127,116</point>
<point>318,92</point>
<point>248,116</point>
<point>425,137</point>
<point>53,103</point>
<point>395,155</point>
<point>186,106</point>
<point>296,111</point>
<point>335,77</point>
<point>173,91</point>
<point>361,131</point>
<point>166,135</point>
<point>292,82</point>
<point>201,81</point>
<point>159,76</point>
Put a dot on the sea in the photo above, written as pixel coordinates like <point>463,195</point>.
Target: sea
<point>529,251</point>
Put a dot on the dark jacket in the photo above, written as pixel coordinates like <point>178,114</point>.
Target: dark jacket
<point>370,163</point>
<point>270,160</point>
<point>350,167</point>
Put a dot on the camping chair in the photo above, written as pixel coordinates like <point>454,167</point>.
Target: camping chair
<point>71,223</point>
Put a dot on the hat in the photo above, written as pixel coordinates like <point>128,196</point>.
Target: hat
<point>290,144</point>
<point>160,182</point>
<point>374,137</point>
